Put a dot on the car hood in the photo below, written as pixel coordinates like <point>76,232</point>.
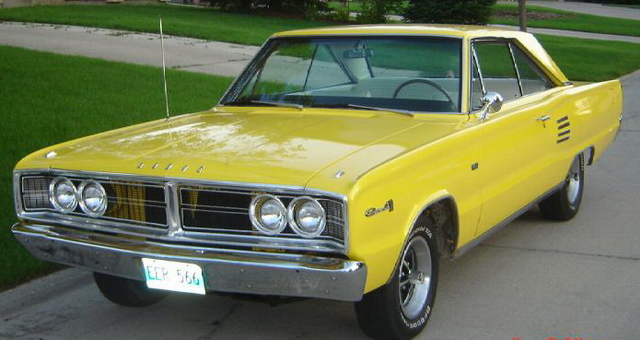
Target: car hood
<point>269,146</point>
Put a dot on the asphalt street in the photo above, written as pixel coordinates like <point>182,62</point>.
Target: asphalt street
<point>533,280</point>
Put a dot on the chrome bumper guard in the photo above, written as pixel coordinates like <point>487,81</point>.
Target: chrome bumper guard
<point>224,270</point>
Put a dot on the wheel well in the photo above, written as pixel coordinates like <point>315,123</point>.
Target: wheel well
<point>589,154</point>
<point>442,218</point>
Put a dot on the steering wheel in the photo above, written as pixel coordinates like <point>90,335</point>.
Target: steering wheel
<point>423,81</point>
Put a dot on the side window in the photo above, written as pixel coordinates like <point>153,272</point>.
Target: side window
<point>497,69</point>
<point>531,77</point>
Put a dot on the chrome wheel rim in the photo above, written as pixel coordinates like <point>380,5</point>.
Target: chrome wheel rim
<point>414,277</point>
<point>573,182</point>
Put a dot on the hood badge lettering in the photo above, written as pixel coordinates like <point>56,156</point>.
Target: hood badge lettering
<point>339,174</point>
<point>169,167</point>
<point>388,206</point>
<point>50,154</point>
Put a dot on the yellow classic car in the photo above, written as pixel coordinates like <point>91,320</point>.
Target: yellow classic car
<point>342,164</point>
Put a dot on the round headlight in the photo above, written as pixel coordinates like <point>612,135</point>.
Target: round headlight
<point>307,217</point>
<point>63,195</point>
<point>268,214</point>
<point>93,198</point>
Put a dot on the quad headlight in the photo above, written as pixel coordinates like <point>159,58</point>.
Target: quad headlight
<point>268,214</point>
<point>307,217</point>
<point>63,195</point>
<point>90,195</point>
<point>93,198</point>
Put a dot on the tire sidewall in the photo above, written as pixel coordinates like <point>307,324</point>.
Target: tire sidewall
<point>573,207</point>
<point>415,325</point>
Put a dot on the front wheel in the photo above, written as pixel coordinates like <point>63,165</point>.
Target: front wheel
<point>400,309</point>
<point>564,204</point>
<point>127,292</point>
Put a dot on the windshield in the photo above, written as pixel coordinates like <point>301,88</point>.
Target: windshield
<point>414,74</point>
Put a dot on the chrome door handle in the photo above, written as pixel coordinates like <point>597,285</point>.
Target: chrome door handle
<point>543,118</point>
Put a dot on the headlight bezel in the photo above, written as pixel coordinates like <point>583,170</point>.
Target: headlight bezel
<point>53,195</point>
<point>293,216</point>
<point>255,209</point>
<point>82,200</point>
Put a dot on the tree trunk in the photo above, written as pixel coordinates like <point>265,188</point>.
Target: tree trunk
<point>523,15</point>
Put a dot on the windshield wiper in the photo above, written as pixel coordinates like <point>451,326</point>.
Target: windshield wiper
<point>372,108</point>
<point>262,102</point>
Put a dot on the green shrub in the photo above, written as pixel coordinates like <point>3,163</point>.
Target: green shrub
<point>376,11</point>
<point>282,6</point>
<point>450,11</point>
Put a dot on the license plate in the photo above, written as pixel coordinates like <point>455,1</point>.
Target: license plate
<point>174,276</point>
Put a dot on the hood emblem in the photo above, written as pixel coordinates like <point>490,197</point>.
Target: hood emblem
<point>388,206</point>
<point>169,166</point>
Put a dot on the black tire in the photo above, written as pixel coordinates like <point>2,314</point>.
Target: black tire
<point>398,311</point>
<point>564,204</point>
<point>127,292</point>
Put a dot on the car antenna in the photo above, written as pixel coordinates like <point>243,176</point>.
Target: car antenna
<point>164,71</point>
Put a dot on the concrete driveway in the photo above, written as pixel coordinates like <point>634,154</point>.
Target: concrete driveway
<point>532,281</point>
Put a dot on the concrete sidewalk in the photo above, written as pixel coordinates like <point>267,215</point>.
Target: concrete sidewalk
<point>138,48</point>
<point>576,34</point>
<point>586,8</point>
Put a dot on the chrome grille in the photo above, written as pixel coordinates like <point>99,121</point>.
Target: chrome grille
<point>176,210</point>
<point>210,209</point>
<point>35,193</point>
<point>127,201</point>
<point>131,201</point>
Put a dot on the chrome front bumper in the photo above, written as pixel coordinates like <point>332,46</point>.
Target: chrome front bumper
<point>224,270</point>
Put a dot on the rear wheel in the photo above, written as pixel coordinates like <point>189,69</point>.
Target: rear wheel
<point>127,292</point>
<point>564,204</point>
<point>400,309</point>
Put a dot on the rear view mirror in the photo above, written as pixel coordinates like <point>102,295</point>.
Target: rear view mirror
<point>357,53</point>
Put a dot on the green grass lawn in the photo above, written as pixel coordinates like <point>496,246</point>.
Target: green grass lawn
<point>592,60</point>
<point>552,18</point>
<point>51,98</point>
<point>205,23</point>
<point>212,24</point>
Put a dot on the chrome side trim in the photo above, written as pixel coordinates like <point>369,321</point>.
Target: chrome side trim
<point>504,223</point>
<point>224,270</point>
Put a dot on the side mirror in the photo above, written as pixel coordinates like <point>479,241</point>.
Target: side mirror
<point>491,103</point>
